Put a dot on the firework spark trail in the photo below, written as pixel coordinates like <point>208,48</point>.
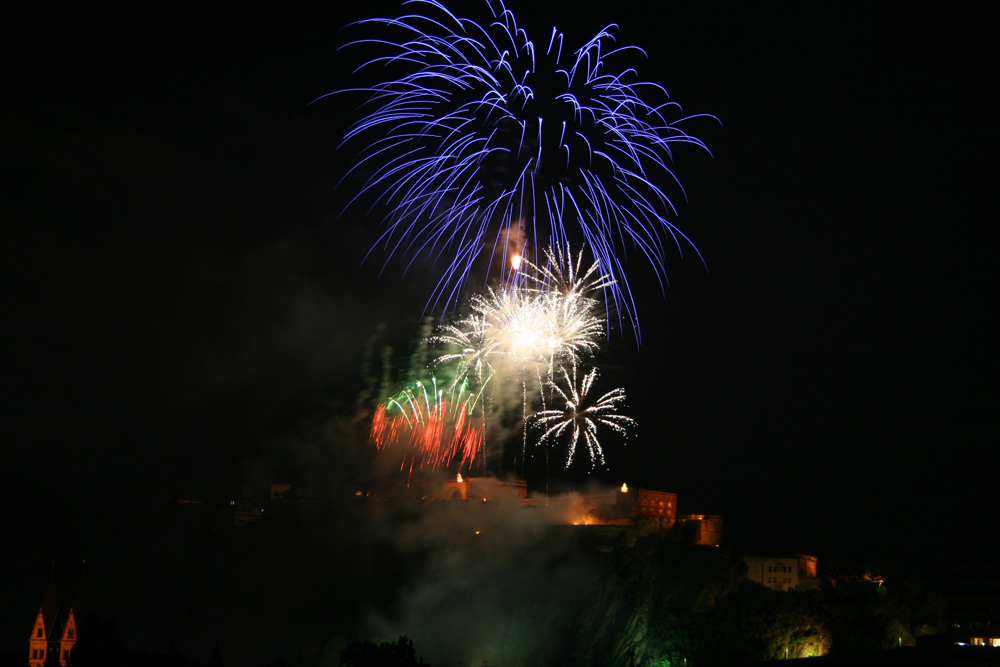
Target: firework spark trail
<point>540,324</point>
<point>437,425</point>
<point>578,417</point>
<point>476,131</point>
<point>526,329</point>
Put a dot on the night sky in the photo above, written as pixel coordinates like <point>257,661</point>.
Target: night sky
<point>181,291</point>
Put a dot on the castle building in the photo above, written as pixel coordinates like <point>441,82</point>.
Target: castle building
<point>658,506</point>
<point>641,511</point>
<point>706,529</point>
<point>53,632</point>
<point>483,488</point>
<point>784,573</point>
<point>648,511</point>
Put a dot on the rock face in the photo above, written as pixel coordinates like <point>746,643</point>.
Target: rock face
<point>650,601</point>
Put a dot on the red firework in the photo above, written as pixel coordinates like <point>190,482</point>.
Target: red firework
<point>437,430</point>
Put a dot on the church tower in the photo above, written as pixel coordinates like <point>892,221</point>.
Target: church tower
<point>68,639</point>
<point>43,633</point>
<point>53,633</point>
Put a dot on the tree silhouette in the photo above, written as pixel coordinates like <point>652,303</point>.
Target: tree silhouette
<point>387,654</point>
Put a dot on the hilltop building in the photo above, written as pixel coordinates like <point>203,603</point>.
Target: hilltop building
<point>644,510</point>
<point>657,507</point>
<point>706,529</point>
<point>648,511</point>
<point>483,488</point>
<point>788,573</point>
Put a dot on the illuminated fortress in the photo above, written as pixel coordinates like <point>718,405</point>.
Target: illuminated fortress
<point>643,509</point>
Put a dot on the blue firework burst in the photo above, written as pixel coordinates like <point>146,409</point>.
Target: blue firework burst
<point>479,143</point>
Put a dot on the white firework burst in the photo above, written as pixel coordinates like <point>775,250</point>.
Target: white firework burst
<point>579,419</point>
<point>531,326</point>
